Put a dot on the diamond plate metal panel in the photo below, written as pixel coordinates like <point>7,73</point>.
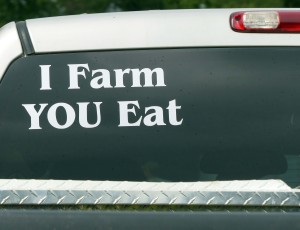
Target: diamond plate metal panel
<point>232,193</point>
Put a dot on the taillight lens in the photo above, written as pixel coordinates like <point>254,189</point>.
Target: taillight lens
<point>266,21</point>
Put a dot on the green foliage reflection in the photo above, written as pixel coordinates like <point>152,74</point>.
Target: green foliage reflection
<point>16,10</point>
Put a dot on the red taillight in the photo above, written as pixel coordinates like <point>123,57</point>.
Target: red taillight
<point>266,21</point>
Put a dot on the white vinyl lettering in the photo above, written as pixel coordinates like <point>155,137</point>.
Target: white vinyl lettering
<point>45,77</point>
<point>131,113</point>
<point>83,114</point>
<point>125,110</point>
<point>102,81</point>
<point>154,118</point>
<point>148,74</point>
<point>75,73</point>
<point>173,113</point>
<point>102,78</point>
<point>34,115</point>
<point>154,115</point>
<point>52,115</point>
<point>120,77</point>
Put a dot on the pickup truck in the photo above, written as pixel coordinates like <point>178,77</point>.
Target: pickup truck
<point>180,119</point>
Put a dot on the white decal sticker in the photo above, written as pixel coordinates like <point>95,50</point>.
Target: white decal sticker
<point>45,77</point>
<point>102,80</point>
<point>148,74</point>
<point>154,118</point>
<point>173,113</point>
<point>34,115</point>
<point>124,112</point>
<point>83,115</point>
<point>75,73</point>
<point>52,115</point>
<point>131,113</point>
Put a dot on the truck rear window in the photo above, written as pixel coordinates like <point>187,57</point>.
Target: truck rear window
<point>192,114</point>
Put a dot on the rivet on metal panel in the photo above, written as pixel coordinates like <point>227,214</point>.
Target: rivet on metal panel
<point>192,200</point>
<point>117,200</point>
<point>22,200</point>
<point>61,200</point>
<point>210,200</point>
<point>4,200</point>
<point>135,200</point>
<point>154,200</point>
<point>240,195</point>
<point>296,195</point>
<point>15,192</point>
<point>97,201</point>
<point>164,194</point>
<point>202,195</point>
<point>182,194</point>
<point>266,201</point>
<point>173,201</point>
<point>276,194</point>
<point>52,193</point>
<point>221,194</point>
<point>284,201</point>
<point>42,200</point>
<point>127,193</point>
<point>79,200</point>
<point>145,194</point>
<point>108,193</point>
<point>229,200</point>
<point>33,193</point>
<point>71,193</point>
<point>247,201</point>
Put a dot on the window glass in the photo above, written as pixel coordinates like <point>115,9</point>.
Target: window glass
<point>153,115</point>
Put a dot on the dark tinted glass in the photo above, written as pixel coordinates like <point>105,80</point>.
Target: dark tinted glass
<point>165,115</point>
